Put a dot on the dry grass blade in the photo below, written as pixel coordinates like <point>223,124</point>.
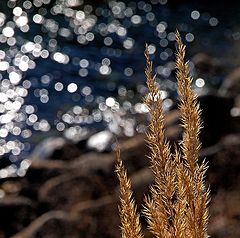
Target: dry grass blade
<point>196,195</point>
<point>189,107</point>
<point>160,209</point>
<point>155,138</point>
<point>130,224</point>
<point>156,218</point>
<point>178,203</point>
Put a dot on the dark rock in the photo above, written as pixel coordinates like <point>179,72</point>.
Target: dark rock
<point>216,118</point>
<point>231,84</point>
<point>99,218</point>
<point>91,176</point>
<point>11,186</point>
<point>17,209</point>
<point>39,172</point>
<point>65,190</point>
<point>70,150</point>
<point>203,63</point>
<point>57,148</point>
<point>225,214</point>
<point>227,156</point>
<point>86,191</point>
<point>224,179</point>
<point>46,148</point>
<point>91,168</point>
<point>209,68</point>
<point>133,157</point>
<point>53,224</point>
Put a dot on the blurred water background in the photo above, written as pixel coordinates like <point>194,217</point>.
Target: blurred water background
<point>74,67</point>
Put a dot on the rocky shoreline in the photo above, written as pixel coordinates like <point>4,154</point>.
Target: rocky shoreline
<point>79,197</point>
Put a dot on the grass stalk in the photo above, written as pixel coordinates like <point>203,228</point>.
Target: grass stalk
<point>177,206</point>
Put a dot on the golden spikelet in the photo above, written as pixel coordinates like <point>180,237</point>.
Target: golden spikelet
<point>189,107</point>
<point>130,224</point>
<point>177,205</point>
<point>160,150</point>
<point>165,210</point>
<point>197,196</point>
<point>161,163</point>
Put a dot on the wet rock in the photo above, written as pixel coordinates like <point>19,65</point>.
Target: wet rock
<point>86,191</point>
<point>216,118</point>
<point>57,148</point>
<point>17,209</point>
<point>227,156</point>
<point>231,84</point>
<point>46,148</point>
<point>11,187</point>
<point>101,141</point>
<point>133,157</point>
<point>38,173</point>
<point>53,224</point>
<point>63,191</point>
<point>223,176</point>
<point>70,150</point>
<point>203,63</point>
<point>98,217</point>
<point>40,170</point>
<point>225,214</point>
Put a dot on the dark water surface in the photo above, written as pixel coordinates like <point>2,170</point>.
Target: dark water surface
<point>68,67</point>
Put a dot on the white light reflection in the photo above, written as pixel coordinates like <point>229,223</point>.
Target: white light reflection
<point>15,77</point>
<point>17,11</point>
<point>105,70</point>
<point>58,86</point>
<point>28,47</point>
<point>128,43</point>
<point>110,102</point>
<point>151,49</point>
<point>21,21</point>
<point>38,19</point>
<point>8,31</point>
<point>61,58</point>
<point>200,82</point>
<point>3,132</point>
<point>2,18</point>
<point>195,15</point>
<point>72,87</point>
<point>4,65</point>
<point>3,97</point>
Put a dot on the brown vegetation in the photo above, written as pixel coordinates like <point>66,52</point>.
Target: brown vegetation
<point>177,205</point>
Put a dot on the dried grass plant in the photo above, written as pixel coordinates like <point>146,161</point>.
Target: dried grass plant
<point>178,202</point>
<point>131,227</point>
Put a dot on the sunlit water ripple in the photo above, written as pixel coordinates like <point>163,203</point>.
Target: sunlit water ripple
<point>68,67</point>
